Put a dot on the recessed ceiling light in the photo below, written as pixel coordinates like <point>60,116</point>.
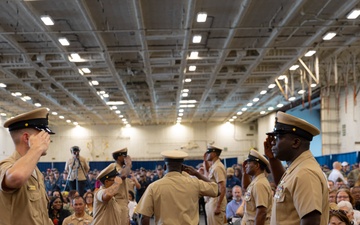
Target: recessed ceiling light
<point>310,53</point>
<point>180,114</point>
<point>262,112</point>
<point>106,95</point>
<point>86,70</point>
<point>61,117</point>
<point>239,113</point>
<point>192,68</point>
<point>68,121</point>
<point>37,104</point>
<point>196,39</point>
<point>271,86</point>
<point>185,94</point>
<point>54,113</point>
<point>244,109</point>
<point>194,55</point>
<point>117,111</point>
<point>2,85</point>
<point>329,36</point>
<point>3,114</point>
<point>249,104</point>
<point>115,103</point>
<point>234,117</point>
<point>301,92</point>
<point>271,108</point>
<point>181,110</point>
<point>256,99</point>
<point>292,99</point>
<point>279,105</point>
<point>313,85</point>
<point>47,20</point>
<point>75,123</point>
<point>353,14</point>
<point>64,42</point>
<point>187,80</point>
<point>231,120</point>
<point>95,82</point>
<point>27,98</point>
<point>294,67</point>
<point>281,77</point>
<point>185,90</point>
<point>201,17</point>
<point>263,92</point>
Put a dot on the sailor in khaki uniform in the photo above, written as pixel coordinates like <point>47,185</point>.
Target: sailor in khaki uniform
<point>173,199</point>
<point>302,193</point>
<point>258,195</point>
<point>106,209</point>
<point>123,166</point>
<point>23,198</point>
<point>216,206</point>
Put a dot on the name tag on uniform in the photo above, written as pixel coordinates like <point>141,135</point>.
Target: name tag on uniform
<point>31,188</point>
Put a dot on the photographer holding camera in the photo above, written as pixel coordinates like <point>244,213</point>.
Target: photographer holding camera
<point>78,169</point>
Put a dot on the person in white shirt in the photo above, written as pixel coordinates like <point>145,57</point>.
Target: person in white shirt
<point>335,173</point>
<point>132,205</point>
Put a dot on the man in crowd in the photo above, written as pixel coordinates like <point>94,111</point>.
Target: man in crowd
<point>215,206</point>
<point>174,198</point>
<point>22,190</point>
<point>302,192</point>
<point>258,195</point>
<point>79,217</point>
<point>106,210</point>
<point>159,173</point>
<point>123,166</point>
<point>231,180</point>
<point>336,172</point>
<point>235,203</point>
<point>78,168</point>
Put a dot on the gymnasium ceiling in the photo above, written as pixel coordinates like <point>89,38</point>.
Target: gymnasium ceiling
<point>137,52</point>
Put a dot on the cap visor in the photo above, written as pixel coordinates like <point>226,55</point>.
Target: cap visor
<point>46,129</point>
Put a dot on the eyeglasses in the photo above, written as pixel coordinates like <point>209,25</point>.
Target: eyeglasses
<point>342,197</point>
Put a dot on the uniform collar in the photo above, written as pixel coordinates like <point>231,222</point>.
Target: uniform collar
<point>305,155</point>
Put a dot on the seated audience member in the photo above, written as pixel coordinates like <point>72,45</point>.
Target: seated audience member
<point>235,203</point>
<point>79,217</point>
<point>57,213</point>
<point>72,194</point>
<point>132,204</point>
<point>338,217</point>
<point>229,196</point>
<point>332,196</point>
<point>89,202</point>
<point>343,194</point>
<point>331,184</point>
<point>339,183</point>
<point>347,207</point>
<point>231,180</point>
<point>355,192</point>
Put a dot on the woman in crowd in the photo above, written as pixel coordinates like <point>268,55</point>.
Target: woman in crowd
<point>344,194</point>
<point>89,200</point>
<point>56,212</point>
<point>338,217</point>
<point>132,205</point>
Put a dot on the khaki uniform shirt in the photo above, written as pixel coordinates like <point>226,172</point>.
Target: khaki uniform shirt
<point>258,193</point>
<point>26,205</point>
<point>174,199</point>
<point>122,198</point>
<point>105,213</point>
<point>302,189</point>
<point>73,220</point>
<point>75,170</point>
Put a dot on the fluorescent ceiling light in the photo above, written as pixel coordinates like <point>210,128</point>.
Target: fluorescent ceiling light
<point>231,120</point>
<point>61,117</point>
<point>113,107</point>
<point>292,99</point>
<point>281,77</point>
<point>64,42</point>
<point>27,98</point>
<point>185,94</point>
<point>187,101</point>
<point>102,92</point>
<point>249,104</point>
<point>74,57</point>
<point>201,17</point>
<point>81,72</point>
<point>196,39</point>
<point>271,86</point>
<point>234,117</point>
<point>187,106</point>
<point>68,121</point>
<point>54,113</point>
<point>301,92</point>
<point>2,85</point>
<point>256,99</point>
<point>121,116</point>
<point>192,68</point>
<point>279,105</point>
<point>310,53</point>
<point>194,55</point>
<point>75,123</point>
<point>353,14</point>
<point>185,90</point>
<point>263,92</point>
<point>244,109</point>
<point>181,110</point>
<point>294,67</point>
<point>239,113</point>
<point>123,119</point>
<point>115,103</point>
<point>329,36</point>
<point>180,114</point>
<point>95,82</point>
<point>313,85</point>
<point>106,95</point>
<point>37,104</point>
<point>271,108</point>
<point>117,111</point>
<point>179,118</point>
<point>3,114</point>
<point>262,112</point>
<point>187,80</point>
<point>47,20</point>
<point>127,125</point>
<point>86,70</point>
